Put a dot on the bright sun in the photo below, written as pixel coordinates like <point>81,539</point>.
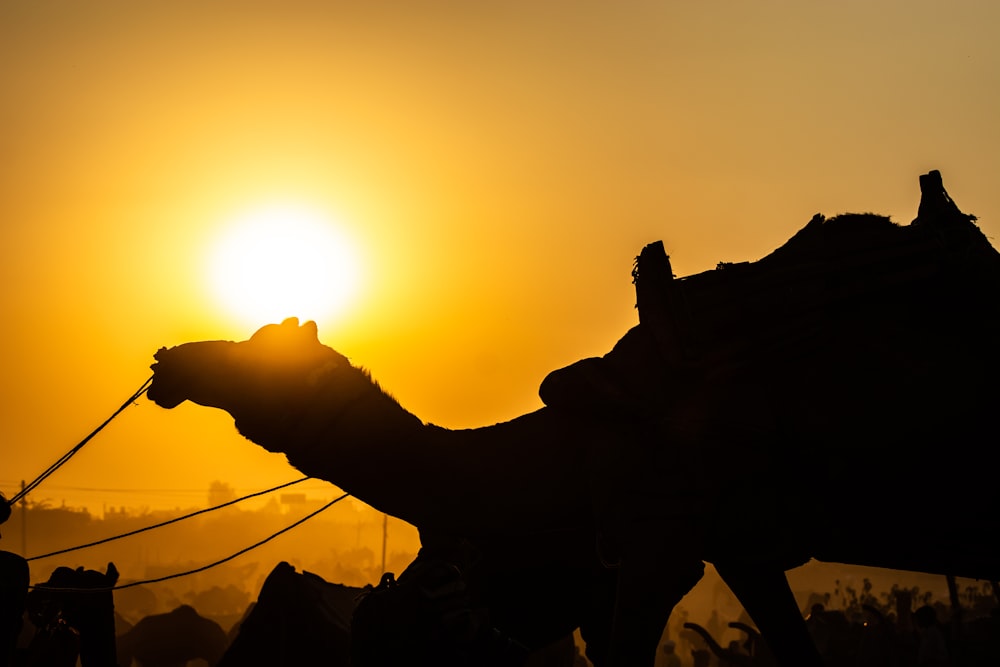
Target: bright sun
<point>281,260</point>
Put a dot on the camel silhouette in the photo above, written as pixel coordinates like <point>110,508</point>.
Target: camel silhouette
<point>536,564</point>
<point>297,619</point>
<point>861,350</point>
<point>74,616</point>
<point>172,639</point>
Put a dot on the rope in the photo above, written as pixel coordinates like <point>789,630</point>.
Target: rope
<point>197,569</point>
<point>68,455</point>
<point>168,522</point>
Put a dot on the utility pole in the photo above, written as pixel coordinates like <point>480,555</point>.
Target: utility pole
<point>385,538</point>
<point>24,522</point>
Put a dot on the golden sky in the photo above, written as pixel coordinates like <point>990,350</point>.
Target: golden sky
<point>496,166</point>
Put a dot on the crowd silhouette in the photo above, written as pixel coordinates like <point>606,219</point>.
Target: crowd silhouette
<point>904,629</point>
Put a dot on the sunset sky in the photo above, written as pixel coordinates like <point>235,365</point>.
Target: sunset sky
<point>491,168</point>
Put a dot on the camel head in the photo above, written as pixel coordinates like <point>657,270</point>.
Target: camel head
<point>269,375</point>
<point>77,597</point>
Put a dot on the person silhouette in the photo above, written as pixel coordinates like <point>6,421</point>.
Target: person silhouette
<point>14,581</point>
<point>932,647</point>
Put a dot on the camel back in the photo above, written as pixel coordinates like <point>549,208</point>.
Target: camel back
<point>861,271</point>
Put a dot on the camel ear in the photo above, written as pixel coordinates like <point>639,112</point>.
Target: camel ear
<point>268,331</point>
<point>311,331</point>
<point>112,574</point>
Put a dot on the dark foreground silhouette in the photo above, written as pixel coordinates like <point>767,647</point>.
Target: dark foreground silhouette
<point>14,583</point>
<point>859,347</point>
<point>426,618</point>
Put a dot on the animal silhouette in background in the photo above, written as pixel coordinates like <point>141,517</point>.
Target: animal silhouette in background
<point>297,619</point>
<point>860,348</point>
<point>74,616</point>
<point>172,640</point>
<point>301,619</point>
<point>431,615</point>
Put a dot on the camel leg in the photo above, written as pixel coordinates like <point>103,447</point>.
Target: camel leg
<point>596,616</point>
<point>765,594</point>
<point>652,579</point>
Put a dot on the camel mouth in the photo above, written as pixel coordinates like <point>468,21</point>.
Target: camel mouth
<point>175,370</point>
<point>158,393</point>
<point>162,390</point>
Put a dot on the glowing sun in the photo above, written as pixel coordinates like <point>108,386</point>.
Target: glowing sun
<point>281,261</point>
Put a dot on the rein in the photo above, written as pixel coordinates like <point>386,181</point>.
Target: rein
<point>68,455</point>
<point>76,448</point>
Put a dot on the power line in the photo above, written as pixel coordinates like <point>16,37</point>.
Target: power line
<point>202,491</point>
<point>168,522</point>
<point>28,488</point>
<point>203,567</point>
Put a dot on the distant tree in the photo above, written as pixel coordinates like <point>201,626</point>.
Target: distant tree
<point>979,599</point>
<point>219,493</point>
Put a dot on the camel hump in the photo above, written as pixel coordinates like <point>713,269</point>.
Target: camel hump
<point>854,279</point>
<point>835,270</point>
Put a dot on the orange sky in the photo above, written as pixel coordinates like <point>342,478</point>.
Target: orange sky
<point>498,166</point>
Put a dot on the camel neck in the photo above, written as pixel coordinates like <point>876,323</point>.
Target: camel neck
<point>455,481</point>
